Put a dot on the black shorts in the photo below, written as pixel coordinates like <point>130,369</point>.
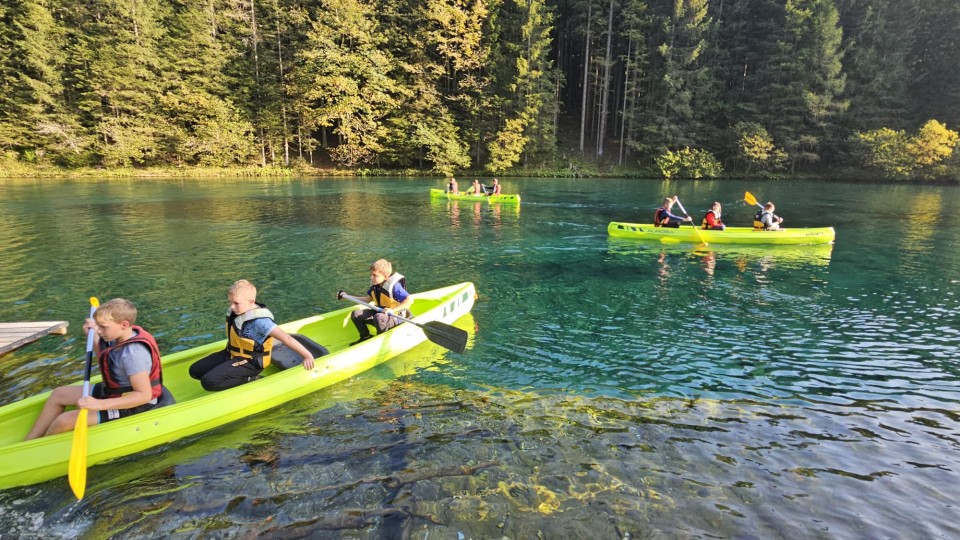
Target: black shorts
<point>116,414</point>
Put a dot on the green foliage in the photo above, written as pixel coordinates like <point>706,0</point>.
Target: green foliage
<point>506,148</point>
<point>933,144</point>
<point>443,147</point>
<point>899,155</point>
<point>755,148</point>
<point>688,163</point>
<point>441,85</point>
<point>207,131</point>
<point>347,78</point>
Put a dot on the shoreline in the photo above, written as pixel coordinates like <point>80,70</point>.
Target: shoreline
<point>42,172</point>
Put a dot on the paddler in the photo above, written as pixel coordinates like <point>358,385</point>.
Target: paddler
<point>129,361</point>
<point>388,291</point>
<point>250,334</point>
<point>663,217</point>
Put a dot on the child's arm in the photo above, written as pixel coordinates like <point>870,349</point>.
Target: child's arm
<point>341,295</point>
<point>407,302</point>
<point>288,340</point>
<point>141,393</point>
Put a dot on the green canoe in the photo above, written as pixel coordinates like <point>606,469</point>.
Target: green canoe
<point>502,198</point>
<point>732,235</point>
<point>28,462</point>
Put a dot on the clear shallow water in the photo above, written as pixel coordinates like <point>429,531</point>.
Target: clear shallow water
<point>612,388</point>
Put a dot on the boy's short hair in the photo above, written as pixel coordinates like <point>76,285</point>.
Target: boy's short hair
<point>116,310</point>
<point>241,287</point>
<point>383,266</point>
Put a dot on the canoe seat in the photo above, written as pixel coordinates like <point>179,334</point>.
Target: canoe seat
<point>285,358</point>
<point>166,398</point>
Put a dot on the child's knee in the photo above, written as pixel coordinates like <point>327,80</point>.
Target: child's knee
<point>64,422</point>
<point>66,395</point>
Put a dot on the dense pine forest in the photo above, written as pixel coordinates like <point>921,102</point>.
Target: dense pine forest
<point>678,88</point>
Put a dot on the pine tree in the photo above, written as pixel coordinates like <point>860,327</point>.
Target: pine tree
<point>115,77</point>
<point>804,98</point>
<point>349,80</point>
<point>33,119</point>
<point>683,82</point>
<point>879,35</point>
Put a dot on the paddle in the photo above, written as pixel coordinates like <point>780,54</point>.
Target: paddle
<point>440,333</point>
<point>750,199</point>
<point>695,229</point>
<point>77,471</point>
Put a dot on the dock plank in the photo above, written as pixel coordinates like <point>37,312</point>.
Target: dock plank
<point>17,334</point>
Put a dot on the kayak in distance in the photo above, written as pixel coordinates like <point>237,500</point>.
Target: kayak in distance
<point>327,336</point>
<point>501,198</point>
<point>731,235</point>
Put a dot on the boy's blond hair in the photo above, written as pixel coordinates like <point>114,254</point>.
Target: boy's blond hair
<point>241,288</point>
<point>383,266</point>
<point>116,310</point>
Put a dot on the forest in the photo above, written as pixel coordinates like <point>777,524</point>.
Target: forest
<point>672,88</point>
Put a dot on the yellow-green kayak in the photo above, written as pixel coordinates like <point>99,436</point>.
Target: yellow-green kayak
<point>732,235</point>
<point>502,198</point>
<point>196,410</point>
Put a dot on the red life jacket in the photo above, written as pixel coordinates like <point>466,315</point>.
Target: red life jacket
<point>656,217</point>
<point>111,388</point>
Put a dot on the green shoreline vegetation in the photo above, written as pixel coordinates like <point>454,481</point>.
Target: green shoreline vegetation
<point>860,89</point>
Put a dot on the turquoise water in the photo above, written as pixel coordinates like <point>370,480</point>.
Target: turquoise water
<point>612,389</point>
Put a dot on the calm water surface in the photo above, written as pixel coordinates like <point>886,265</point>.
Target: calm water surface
<point>612,389</point>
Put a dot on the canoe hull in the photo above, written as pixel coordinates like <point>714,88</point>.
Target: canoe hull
<point>732,235</point>
<point>502,198</point>
<point>28,462</point>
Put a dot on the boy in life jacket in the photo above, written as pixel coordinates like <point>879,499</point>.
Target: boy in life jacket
<point>475,188</point>
<point>765,219</point>
<point>250,334</point>
<point>129,362</point>
<point>387,290</point>
<point>452,186</point>
<point>711,221</point>
<point>493,189</point>
<point>662,217</point>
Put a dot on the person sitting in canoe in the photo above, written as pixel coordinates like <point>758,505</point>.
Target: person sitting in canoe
<point>765,219</point>
<point>129,361</point>
<point>475,188</point>
<point>493,189</point>
<point>711,221</point>
<point>662,217</point>
<point>250,334</point>
<point>452,186</point>
<point>388,291</point>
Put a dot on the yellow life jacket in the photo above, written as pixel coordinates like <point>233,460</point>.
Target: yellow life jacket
<point>384,296</point>
<point>757,224</point>
<point>246,348</point>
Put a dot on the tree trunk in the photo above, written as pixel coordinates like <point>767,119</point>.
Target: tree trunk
<point>586,73</point>
<point>608,62</point>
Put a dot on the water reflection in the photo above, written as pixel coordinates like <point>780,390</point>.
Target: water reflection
<point>616,387</point>
<point>482,213</point>
<point>417,461</point>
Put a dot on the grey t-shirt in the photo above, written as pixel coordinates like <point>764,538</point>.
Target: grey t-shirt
<point>130,360</point>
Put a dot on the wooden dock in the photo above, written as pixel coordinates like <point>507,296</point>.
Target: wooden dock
<point>18,334</point>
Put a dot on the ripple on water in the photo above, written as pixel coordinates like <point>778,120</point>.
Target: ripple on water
<point>418,459</point>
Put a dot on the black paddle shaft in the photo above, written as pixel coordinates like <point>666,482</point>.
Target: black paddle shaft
<point>442,334</point>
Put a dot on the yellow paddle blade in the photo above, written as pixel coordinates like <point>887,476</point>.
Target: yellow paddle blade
<point>751,200</point>
<point>77,471</point>
<point>94,302</point>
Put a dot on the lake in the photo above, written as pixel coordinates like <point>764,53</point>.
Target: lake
<point>612,389</point>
